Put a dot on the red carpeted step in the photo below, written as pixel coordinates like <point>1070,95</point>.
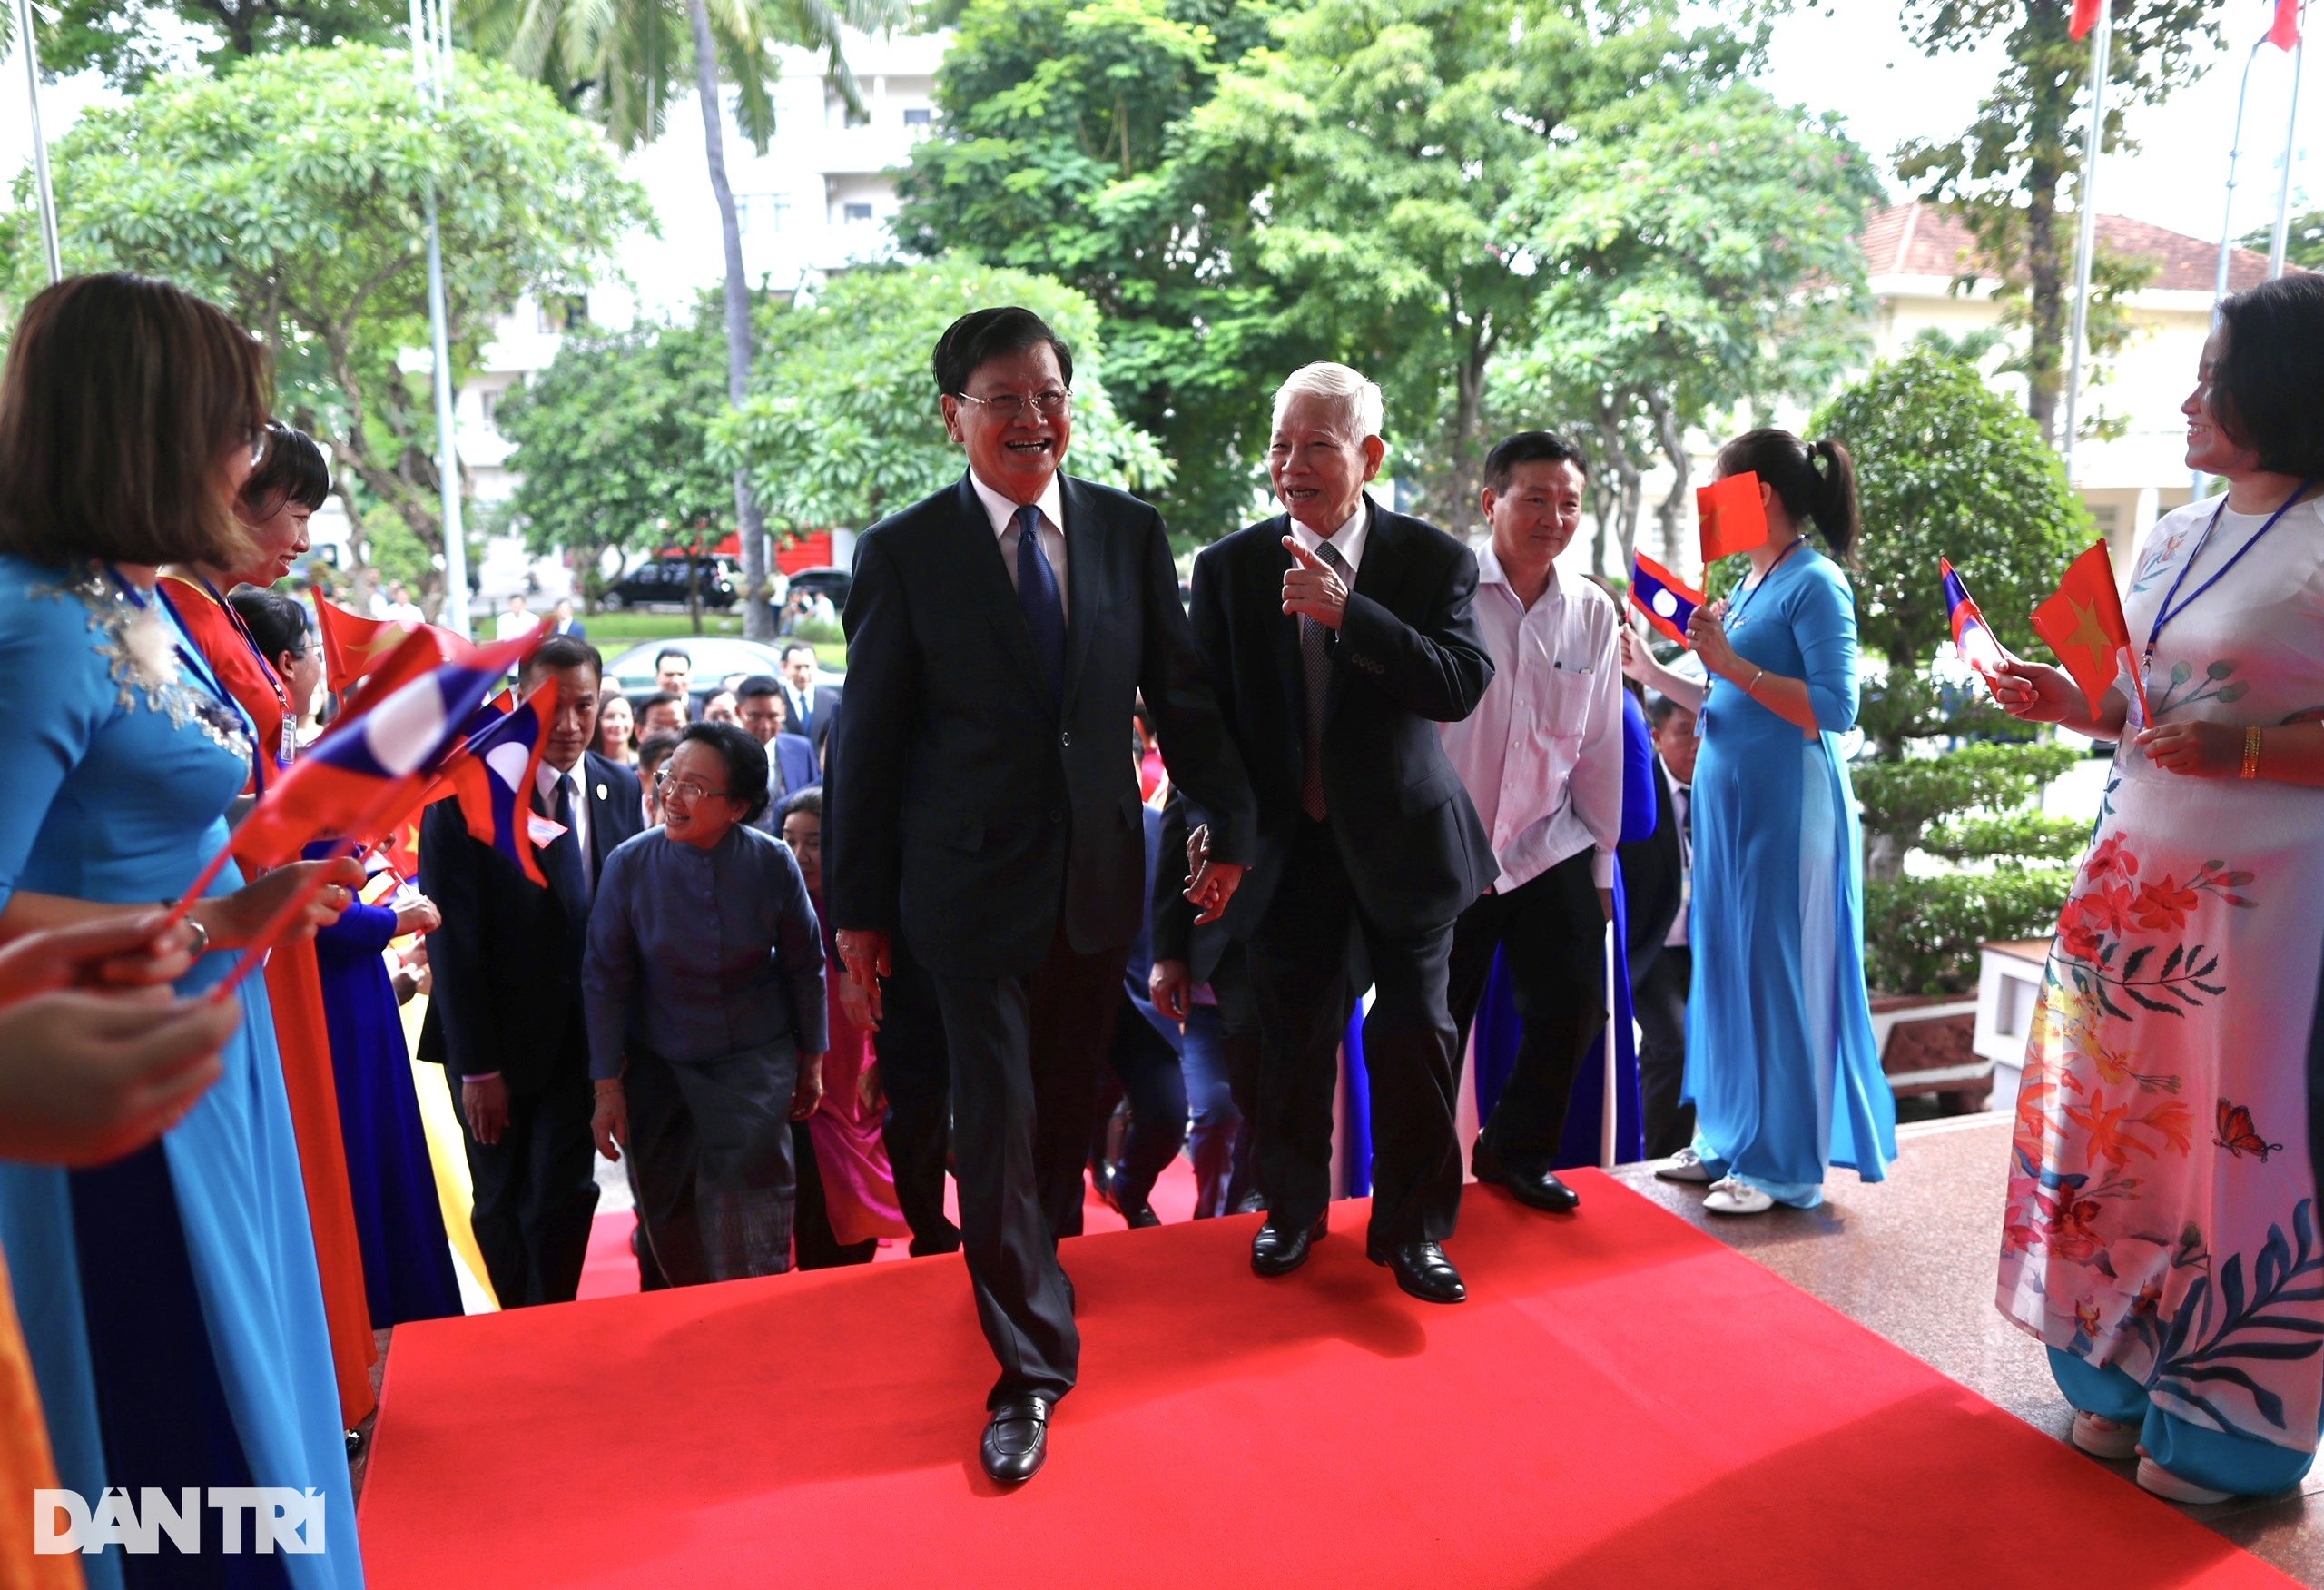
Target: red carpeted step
<point>1623,1402</point>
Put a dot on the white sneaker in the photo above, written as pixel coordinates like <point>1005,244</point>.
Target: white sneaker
<point>2104,1438</point>
<point>1730,1197</point>
<point>1686,1165</point>
<point>2157,1480</point>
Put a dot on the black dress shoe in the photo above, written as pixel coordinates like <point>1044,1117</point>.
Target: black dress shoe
<point>1016,1439</point>
<point>1539,1189</point>
<point>1250,1204</point>
<point>1278,1251</point>
<point>1421,1270</point>
<point>1140,1214</point>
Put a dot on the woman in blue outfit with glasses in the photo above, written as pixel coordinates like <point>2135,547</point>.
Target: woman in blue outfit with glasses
<point>1780,1063</point>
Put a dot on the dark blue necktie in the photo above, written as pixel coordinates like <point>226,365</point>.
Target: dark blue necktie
<point>562,855</point>
<point>1037,592</point>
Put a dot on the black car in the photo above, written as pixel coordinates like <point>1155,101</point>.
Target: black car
<point>828,581</point>
<point>663,580</point>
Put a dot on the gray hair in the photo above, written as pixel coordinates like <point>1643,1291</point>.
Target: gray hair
<point>1355,403</point>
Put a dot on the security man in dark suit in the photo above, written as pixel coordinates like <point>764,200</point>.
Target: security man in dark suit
<point>1656,884</point>
<point>1340,634</point>
<point>998,633</point>
<point>508,970</point>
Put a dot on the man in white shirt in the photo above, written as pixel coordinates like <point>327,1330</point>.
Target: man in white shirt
<point>1541,758</point>
<point>517,620</point>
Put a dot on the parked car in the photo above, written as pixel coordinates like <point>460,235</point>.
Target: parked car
<point>715,658</point>
<point>833,582</point>
<point>661,581</point>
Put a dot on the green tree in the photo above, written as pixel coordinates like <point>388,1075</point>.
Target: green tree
<point>128,44</point>
<point>621,59</point>
<point>2303,240</point>
<point>1052,155</point>
<point>1949,468</point>
<point>1692,254</point>
<point>612,445</point>
<point>2008,172</point>
<point>290,189</point>
<point>842,426</point>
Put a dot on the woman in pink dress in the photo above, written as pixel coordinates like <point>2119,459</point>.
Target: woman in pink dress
<point>847,1193</point>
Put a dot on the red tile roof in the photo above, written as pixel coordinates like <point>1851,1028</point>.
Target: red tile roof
<point>1922,239</point>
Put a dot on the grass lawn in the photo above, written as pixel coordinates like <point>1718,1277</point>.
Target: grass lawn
<point>612,631</point>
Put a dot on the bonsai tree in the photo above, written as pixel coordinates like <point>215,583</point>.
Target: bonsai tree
<point>1947,467</point>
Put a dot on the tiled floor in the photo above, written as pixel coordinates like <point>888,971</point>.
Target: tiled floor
<point>1913,1258</point>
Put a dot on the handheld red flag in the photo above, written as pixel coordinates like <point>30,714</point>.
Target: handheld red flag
<point>2083,624</point>
<point>2085,17</point>
<point>1733,518</point>
<point>1665,601</point>
<point>352,647</point>
<point>2285,32</point>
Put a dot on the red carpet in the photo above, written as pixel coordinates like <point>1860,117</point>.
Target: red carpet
<point>1625,1402</point>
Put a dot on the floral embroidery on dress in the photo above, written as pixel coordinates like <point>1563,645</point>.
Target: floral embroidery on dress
<point>141,658</point>
<point>2115,905</point>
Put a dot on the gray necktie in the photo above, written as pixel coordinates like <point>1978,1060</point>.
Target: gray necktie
<point>1315,664</point>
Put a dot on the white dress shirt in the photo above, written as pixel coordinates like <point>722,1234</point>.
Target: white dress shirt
<point>1347,540</point>
<point>1680,796</point>
<point>545,780</point>
<point>1004,526</point>
<point>1542,754</point>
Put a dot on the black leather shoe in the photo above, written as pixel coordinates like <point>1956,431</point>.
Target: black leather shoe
<point>1016,1439</point>
<point>1277,1251</point>
<point>1539,1189</point>
<point>1140,1214</point>
<point>1421,1270</point>
<point>1250,1204</point>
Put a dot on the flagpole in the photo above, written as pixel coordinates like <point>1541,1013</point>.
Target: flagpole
<point>30,44</point>
<point>430,69</point>
<point>2278,244</point>
<point>2086,229</point>
<point>2227,220</point>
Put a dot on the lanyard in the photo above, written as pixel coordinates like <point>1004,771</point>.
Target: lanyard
<point>2167,612</point>
<point>289,748</point>
<point>1752,595</point>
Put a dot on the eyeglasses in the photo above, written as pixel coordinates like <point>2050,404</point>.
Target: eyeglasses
<point>665,786</point>
<point>1010,405</point>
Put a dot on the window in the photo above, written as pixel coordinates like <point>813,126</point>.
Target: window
<point>918,116</point>
<point>488,406</point>
<point>854,213</point>
<point>560,312</point>
<point>761,212</point>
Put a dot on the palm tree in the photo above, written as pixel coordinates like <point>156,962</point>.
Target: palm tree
<point>619,60</point>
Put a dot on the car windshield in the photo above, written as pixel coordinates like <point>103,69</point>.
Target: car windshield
<point>714,656</point>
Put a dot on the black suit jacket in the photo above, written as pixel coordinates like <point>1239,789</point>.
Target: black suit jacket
<point>815,722</point>
<point>1409,656</point>
<point>1651,872</point>
<point>972,813</point>
<point>1175,936</point>
<point>508,958</point>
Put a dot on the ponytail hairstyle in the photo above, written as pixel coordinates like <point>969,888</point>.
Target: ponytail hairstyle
<point>1825,495</point>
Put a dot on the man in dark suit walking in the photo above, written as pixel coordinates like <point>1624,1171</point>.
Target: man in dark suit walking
<point>807,701</point>
<point>1341,633</point>
<point>1657,882</point>
<point>998,635</point>
<point>508,970</point>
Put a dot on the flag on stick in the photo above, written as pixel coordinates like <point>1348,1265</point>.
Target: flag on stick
<point>1732,517</point>
<point>2085,17</point>
<point>354,647</point>
<point>2285,33</point>
<point>494,778</point>
<point>1667,602</point>
<point>1972,638</point>
<point>2083,623</point>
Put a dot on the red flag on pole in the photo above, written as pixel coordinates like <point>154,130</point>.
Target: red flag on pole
<point>2085,17</point>
<point>352,647</point>
<point>2083,624</point>
<point>1733,518</point>
<point>2285,33</point>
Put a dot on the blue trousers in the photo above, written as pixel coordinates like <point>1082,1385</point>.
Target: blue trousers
<point>2237,1464</point>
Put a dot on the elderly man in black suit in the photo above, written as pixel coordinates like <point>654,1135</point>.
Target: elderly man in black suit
<point>997,633</point>
<point>1342,633</point>
<point>507,969</point>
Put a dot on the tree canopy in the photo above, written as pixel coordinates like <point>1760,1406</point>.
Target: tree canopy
<point>290,189</point>
<point>128,44</point>
<point>842,424</point>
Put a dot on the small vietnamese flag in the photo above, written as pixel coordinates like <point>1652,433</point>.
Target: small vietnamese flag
<point>2083,624</point>
<point>2285,32</point>
<point>2085,17</point>
<point>1732,517</point>
<point>353,648</point>
<point>1667,602</point>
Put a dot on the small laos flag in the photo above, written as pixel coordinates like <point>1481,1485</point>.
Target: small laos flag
<point>359,776</point>
<point>494,778</point>
<point>1972,638</point>
<point>1667,603</point>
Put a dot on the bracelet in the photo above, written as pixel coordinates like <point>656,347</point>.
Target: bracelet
<point>2251,753</point>
<point>1750,689</point>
